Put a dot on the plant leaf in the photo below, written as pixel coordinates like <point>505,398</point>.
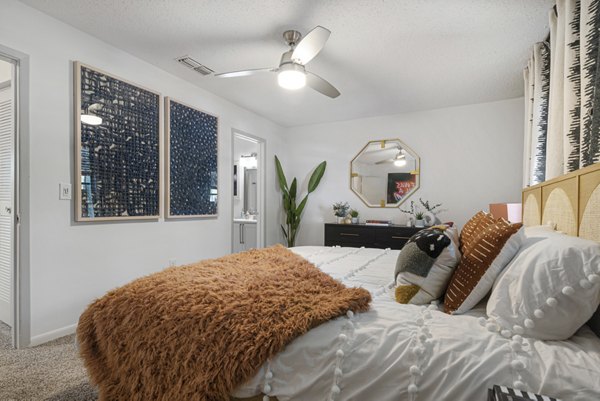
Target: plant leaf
<point>300,208</point>
<point>293,189</point>
<point>284,233</point>
<point>316,176</point>
<point>281,176</point>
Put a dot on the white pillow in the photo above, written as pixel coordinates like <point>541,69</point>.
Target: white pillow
<point>531,235</point>
<point>538,231</point>
<point>550,289</point>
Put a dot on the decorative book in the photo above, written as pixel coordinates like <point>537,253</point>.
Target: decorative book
<point>378,222</point>
<point>503,393</point>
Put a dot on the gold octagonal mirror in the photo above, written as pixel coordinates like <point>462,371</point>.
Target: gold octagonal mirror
<point>384,173</point>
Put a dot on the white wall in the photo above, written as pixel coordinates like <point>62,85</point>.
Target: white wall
<point>470,156</point>
<point>71,264</point>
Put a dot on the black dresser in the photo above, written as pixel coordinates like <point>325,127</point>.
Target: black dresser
<point>357,235</point>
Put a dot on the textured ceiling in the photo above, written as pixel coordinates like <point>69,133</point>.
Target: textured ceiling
<point>385,57</point>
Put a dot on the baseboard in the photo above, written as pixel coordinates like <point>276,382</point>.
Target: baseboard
<point>52,335</point>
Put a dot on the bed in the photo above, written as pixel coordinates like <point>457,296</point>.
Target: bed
<point>417,352</point>
<point>385,350</point>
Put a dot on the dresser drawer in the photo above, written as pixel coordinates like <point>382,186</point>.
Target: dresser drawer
<point>346,234</point>
<point>394,238</point>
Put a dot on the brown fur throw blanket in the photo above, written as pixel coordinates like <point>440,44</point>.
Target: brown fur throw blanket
<point>196,332</point>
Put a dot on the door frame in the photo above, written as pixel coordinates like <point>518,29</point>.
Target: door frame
<point>21,328</point>
<point>261,232</point>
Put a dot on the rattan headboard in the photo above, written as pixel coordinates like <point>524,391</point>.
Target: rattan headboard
<point>572,202</point>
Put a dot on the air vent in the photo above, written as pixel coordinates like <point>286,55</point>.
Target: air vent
<point>194,65</point>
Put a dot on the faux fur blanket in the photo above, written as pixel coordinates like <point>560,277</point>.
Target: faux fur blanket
<point>196,332</point>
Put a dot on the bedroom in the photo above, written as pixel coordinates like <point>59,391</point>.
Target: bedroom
<point>445,79</point>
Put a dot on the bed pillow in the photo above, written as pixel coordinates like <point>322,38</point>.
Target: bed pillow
<point>475,224</point>
<point>550,289</point>
<point>531,235</point>
<point>483,259</point>
<point>425,265</point>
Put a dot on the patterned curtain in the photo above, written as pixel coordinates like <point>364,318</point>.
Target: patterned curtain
<point>572,137</point>
<point>590,83</point>
<point>537,81</point>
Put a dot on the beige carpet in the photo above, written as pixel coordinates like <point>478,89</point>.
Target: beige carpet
<point>51,371</point>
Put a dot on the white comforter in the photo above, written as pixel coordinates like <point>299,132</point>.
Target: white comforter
<point>406,352</point>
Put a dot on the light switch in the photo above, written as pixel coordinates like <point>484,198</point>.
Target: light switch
<point>64,191</point>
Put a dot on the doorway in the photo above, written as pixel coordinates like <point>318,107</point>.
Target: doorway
<point>8,97</point>
<point>248,192</point>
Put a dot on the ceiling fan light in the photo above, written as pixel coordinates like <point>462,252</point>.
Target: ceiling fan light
<point>400,162</point>
<point>91,119</point>
<point>291,79</point>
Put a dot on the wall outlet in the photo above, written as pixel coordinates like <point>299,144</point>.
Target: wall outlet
<point>64,191</point>
<point>172,262</point>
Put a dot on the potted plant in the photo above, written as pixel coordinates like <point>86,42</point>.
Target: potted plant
<point>431,212</point>
<point>293,210</point>
<point>354,215</point>
<point>419,219</point>
<point>417,213</point>
<point>340,210</point>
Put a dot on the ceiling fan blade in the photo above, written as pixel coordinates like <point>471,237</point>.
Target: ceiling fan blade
<point>243,73</point>
<point>385,161</point>
<point>311,45</point>
<point>320,85</point>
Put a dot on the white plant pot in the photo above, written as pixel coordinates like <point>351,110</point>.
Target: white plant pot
<point>420,223</point>
<point>355,220</point>
<point>339,220</point>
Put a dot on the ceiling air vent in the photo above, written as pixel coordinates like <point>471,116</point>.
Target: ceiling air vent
<point>194,65</point>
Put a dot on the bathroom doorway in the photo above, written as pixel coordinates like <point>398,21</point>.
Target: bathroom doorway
<point>248,191</point>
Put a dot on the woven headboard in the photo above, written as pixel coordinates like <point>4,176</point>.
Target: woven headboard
<point>572,202</point>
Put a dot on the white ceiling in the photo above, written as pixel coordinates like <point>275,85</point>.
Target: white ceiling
<point>385,57</point>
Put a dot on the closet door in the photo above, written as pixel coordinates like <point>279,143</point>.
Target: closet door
<point>7,135</point>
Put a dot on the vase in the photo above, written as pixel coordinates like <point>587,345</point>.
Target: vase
<point>419,223</point>
<point>339,219</point>
<point>355,220</point>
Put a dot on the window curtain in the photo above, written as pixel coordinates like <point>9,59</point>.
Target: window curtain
<point>572,137</point>
<point>537,86</point>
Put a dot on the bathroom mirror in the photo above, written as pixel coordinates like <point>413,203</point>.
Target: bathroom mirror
<point>250,190</point>
<point>385,173</point>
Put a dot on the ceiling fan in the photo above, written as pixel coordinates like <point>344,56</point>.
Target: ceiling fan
<point>291,72</point>
<point>399,160</point>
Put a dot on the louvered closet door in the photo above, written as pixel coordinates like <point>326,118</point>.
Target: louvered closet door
<point>6,202</point>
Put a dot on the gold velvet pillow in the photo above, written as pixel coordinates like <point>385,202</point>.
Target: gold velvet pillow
<point>473,227</point>
<point>484,257</point>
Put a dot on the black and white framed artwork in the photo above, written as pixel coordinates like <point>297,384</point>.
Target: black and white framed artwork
<point>192,158</point>
<point>118,147</point>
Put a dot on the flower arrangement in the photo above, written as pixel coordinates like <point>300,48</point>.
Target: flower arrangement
<point>340,209</point>
<point>431,209</point>
<point>416,209</point>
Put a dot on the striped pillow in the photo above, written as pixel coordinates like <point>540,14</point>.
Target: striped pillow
<point>473,227</point>
<point>484,257</point>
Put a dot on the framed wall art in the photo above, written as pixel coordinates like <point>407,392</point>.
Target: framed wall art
<point>399,185</point>
<point>117,148</point>
<point>191,159</point>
